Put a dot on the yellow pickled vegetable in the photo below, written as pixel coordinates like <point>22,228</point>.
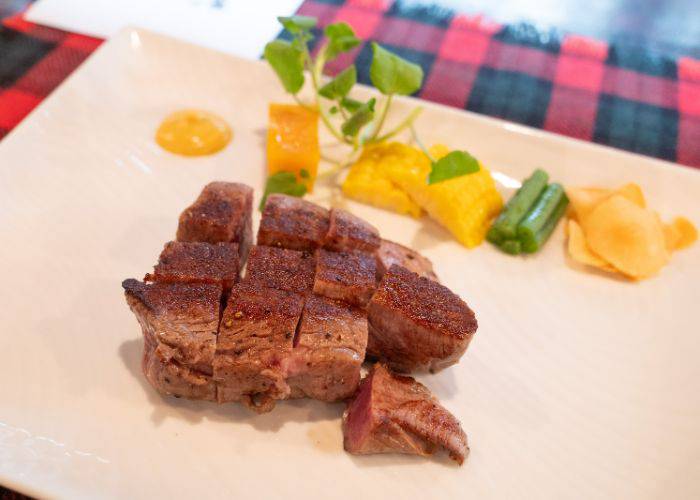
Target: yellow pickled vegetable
<point>292,142</point>
<point>465,205</point>
<point>367,182</point>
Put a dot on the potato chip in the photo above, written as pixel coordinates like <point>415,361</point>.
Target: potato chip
<point>583,200</point>
<point>673,236</point>
<point>680,233</point>
<point>579,251</point>
<point>627,236</point>
<point>633,193</point>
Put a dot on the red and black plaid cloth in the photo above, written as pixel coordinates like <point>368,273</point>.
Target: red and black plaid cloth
<point>624,97</point>
<point>628,98</point>
<point>33,61</point>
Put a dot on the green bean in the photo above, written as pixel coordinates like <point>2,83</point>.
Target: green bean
<point>543,234</point>
<point>512,247</point>
<point>505,226</point>
<point>538,217</point>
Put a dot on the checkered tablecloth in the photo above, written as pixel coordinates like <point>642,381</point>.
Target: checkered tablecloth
<point>627,98</point>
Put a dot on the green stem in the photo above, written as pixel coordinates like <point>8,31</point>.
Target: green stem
<point>316,72</point>
<point>406,123</point>
<point>302,103</point>
<point>417,140</point>
<point>342,109</point>
<point>382,117</point>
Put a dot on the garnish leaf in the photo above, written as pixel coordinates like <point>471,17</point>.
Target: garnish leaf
<point>304,174</point>
<point>392,74</point>
<point>341,38</point>
<point>361,117</point>
<point>287,61</point>
<point>282,182</point>
<point>454,164</point>
<point>339,86</point>
<point>297,24</point>
<point>350,104</point>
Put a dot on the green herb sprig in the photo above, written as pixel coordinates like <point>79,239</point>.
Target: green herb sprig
<point>352,122</point>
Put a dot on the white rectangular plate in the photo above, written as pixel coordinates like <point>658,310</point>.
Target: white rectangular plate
<point>575,386</point>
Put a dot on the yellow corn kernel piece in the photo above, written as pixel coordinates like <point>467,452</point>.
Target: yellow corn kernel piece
<point>368,183</point>
<point>292,142</point>
<point>465,205</point>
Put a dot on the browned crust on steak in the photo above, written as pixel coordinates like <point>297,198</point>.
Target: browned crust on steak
<point>397,414</point>
<point>281,268</point>
<point>348,233</point>
<point>197,262</point>
<point>221,214</point>
<point>348,276</point>
<point>328,351</point>
<point>179,323</point>
<point>417,323</point>
<point>254,344</point>
<point>293,223</point>
<point>390,253</point>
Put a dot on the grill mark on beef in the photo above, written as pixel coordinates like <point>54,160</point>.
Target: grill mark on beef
<point>297,329</point>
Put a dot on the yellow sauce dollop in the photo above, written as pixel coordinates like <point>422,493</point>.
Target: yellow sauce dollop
<point>193,132</point>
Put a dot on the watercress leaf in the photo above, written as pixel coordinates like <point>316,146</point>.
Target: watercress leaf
<point>287,62</point>
<point>341,38</point>
<point>301,40</point>
<point>360,118</point>
<point>297,24</point>
<point>333,110</point>
<point>454,164</point>
<point>339,86</point>
<point>350,104</point>
<point>392,74</point>
<point>304,174</point>
<point>282,182</point>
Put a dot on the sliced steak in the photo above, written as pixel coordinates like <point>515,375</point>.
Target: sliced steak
<point>390,253</point>
<point>329,350</point>
<point>417,324</point>
<point>348,276</point>
<point>280,268</point>
<point>396,414</point>
<point>172,378</point>
<point>197,262</point>
<point>254,345</point>
<point>347,232</point>
<point>221,214</point>
<point>293,223</point>
<point>179,323</point>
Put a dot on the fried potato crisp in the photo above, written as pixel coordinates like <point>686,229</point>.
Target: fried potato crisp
<point>613,230</point>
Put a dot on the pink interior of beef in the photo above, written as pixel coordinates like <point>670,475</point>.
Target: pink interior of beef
<point>359,421</point>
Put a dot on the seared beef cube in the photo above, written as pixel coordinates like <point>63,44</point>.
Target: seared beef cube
<point>221,214</point>
<point>390,253</point>
<point>417,324</point>
<point>293,223</point>
<point>328,351</point>
<point>179,323</point>
<point>396,414</point>
<point>197,262</point>
<point>348,232</point>
<point>348,276</point>
<point>254,345</point>
<point>172,378</point>
<point>280,268</point>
